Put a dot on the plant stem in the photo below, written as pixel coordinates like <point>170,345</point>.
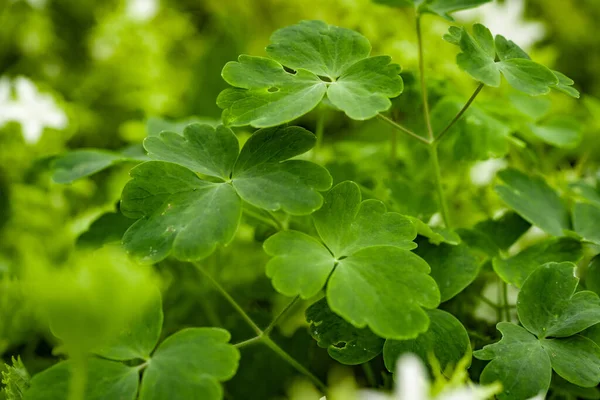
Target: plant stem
<point>231,301</point>
<point>422,78</point>
<point>274,222</point>
<point>276,320</point>
<point>263,336</point>
<point>79,374</point>
<point>460,113</point>
<point>435,163</point>
<point>370,375</point>
<point>248,342</point>
<point>505,301</point>
<point>319,132</point>
<point>292,361</point>
<point>403,129</point>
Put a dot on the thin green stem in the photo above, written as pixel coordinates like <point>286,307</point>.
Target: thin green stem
<point>231,301</point>
<point>505,301</point>
<point>403,129</point>
<point>248,342</point>
<point>274,222</point>
<point>460,113</point>
<point>292,361</point>
<point>435,163</point>
<point>282,226</point>
<point>422,78</point>
<point>369,374</point>
<point>319,132</point>
<point>79,374</point>
<point>276,320</point>
<point>488,302</point>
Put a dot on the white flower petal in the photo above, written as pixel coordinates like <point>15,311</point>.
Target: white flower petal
<point>412,382</point>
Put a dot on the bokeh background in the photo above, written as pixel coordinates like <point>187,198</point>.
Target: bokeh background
<point>86,73</point>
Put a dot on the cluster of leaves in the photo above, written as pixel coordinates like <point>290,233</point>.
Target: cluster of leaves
<point>376,282</point>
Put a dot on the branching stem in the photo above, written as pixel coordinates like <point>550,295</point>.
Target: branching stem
<point>403,129</point>
<point>460,113</point>
<point>263,336</point>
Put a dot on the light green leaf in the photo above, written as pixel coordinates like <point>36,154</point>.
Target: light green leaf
<point>435,235</point>
<point>78,164</point>
<point>586,221</point>
<point>106,380</point>
<point>190,364</point>
<point>565,85</point>
<point>516,269</point>
<point>291,272</point>
<point>139,338</point>
<point>534,200</point>
<point>548,305</point>
<point>577,359</point>
<point>326,60</point>
<point>347,225</point>
<point>155,125</point>
<point>344,343</point>
<point>16,379</point>
<point>446,339</point>
<point>443,8</point>
<point>592,278</point>
<point>265,94</point>
<point>375,282</point>
<point>478,59</point>
<point>178,212</point>
<point>519,362</point>
<point>562,132</point>
<point>453,267</point>
<point>202,148</point>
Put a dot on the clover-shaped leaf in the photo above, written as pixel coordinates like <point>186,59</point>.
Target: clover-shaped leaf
<point>344,343</point>
<point>534,200</point>
<point>372,278</point>
<point>443,8</point>
<point>325,60</point>
<point>486,58</point>
<point>189,215</point>
<point>446,339</point>
<point>548,305</point>
<point>552,315</point>
<point>517,268</point>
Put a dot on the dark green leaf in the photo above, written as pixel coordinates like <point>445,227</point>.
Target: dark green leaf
<point>446,340</point>
<point>516,269</point>
<point>109,228</point>
<point>586,221</point>
<point>344,343</point>
<point>190,364</point>
<point>78,164</point>
<point>577,359</point>
<point>548,305</point>
<point>534,200</point>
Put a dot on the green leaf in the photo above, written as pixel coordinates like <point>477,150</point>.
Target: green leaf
<point>519,362</point>
<point>79,164</point>
<point>478,59</point>
<point>326,61</point>
<point>373,281</point>
<point>181,212</point>
<point>202,148</point>
<point>155,125</point>
<point>109,228</point>
<point>586,221</point>
<point>560,131</point>
<point>265,94</point>
<point>577,359</point>
<point>446,339</point>
<point>344,343</point>
<point>453,267</point>
<point>347,225</point>
<point>190,364</point>
<point>565,388</point>
<point>565,85</point>
<point>592,277</point>
<point>264,177</point>
<point>548,305</point>
<point>106,380</point>
<point>443,8</point>
<point>178,212</point>
<point>534,200</point>
<point>516,269</point>
<point>16,380</point>
<point>139,338</point>
<point>436,235</point>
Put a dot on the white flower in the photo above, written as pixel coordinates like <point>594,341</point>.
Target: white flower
<point>483,172</point>
<point>412,383</point>
<point>32,109</point>
<point>506,19</point>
